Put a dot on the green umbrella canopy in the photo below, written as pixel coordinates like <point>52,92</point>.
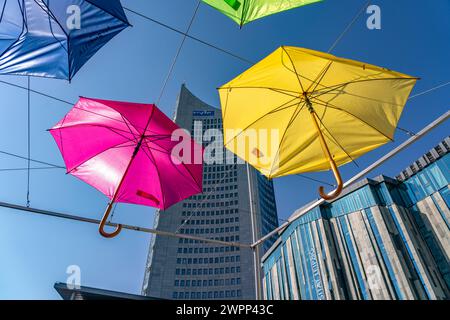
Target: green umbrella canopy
<point>245,11</point>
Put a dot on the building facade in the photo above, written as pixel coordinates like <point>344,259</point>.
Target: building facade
<point>382,239</point>
<point>188,269</point>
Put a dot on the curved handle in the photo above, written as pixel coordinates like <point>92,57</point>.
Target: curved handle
<point>340,184</point>
<point>101,227</point>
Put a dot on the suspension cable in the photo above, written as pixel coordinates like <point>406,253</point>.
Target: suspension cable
<point>349,26</point>
<point>177,55</point>
<point>247,61</point>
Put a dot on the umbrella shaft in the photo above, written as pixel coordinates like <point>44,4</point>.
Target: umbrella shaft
<point>323,143</point>
<point>331,161</point>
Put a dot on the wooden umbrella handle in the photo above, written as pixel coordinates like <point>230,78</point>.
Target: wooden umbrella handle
<point>101,227</point>
<point>340,184</point>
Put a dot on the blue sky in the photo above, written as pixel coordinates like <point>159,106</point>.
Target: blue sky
<point>36,251</point>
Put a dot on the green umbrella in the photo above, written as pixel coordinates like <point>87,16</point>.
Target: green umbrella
<point>245,11</point>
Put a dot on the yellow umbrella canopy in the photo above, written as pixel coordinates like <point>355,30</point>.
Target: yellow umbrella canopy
<point>300,110</point>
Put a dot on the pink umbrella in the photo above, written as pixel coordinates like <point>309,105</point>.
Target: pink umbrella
<point>125,151</point>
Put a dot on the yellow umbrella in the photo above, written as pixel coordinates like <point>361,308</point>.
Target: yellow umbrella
<point>300,110</point>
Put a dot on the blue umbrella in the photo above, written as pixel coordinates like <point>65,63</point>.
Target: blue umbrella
<point>55,38</point>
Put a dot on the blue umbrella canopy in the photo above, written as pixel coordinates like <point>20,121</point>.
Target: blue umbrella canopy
<point>55,38</point>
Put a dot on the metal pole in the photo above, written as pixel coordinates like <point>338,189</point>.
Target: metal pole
<point>360,175</point>
<point>255,236</point>
<point>124,226</point>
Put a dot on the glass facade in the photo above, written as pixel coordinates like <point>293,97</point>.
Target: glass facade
<point>383,239</point>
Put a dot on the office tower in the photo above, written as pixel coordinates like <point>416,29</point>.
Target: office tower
<point>189,269</point>
<point>382,239</point>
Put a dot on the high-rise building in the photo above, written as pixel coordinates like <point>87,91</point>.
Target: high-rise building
<point>382,239</point>
<point>189,269</point>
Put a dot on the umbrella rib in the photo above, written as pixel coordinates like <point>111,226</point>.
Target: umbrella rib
<point>129,128</point>
<point>123,117</point>
<point>47,10</point>
<point>3,12</point>
<point>291,121</point>
<point>336,142</point>
<point>320,77</point>
<point>337,86</point>
<point>366,98</point>
<point>114,130</point>
<point>295,69</point>
<point>328,105</point>
<point>22,31</point>
<point>118,18</point>
<point>102,115</point>
<point>96,155</point>
<point>284,106</point>
<point>279,90</point>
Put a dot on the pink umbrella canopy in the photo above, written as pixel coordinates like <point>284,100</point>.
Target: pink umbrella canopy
<point>126,151</point>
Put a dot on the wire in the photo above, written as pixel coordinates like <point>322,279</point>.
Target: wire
<point>409,133</point>
<point>36,92</point>
<point>316,180</point>
<point>429,90</point>
<point>177,55</point>
<point>189,36</point>
<point>32,160</point>
<point>25,169</point>
<point>349,26</point>
<point>439,86</point>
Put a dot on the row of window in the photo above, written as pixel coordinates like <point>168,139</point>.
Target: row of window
<point>213,249</point>
<point>209,259</point>
<point>197,271</point>
<point>212,231</point>
<point>219,175</point>
<point>228,180</point>
<point>219,168</point>
<point>216,188</point>
<point>190,241</point>
<point>208,213</point>
<point>208,271</point>
<point>215,196</point>
<point>207,295</point>
<point>209,204</point>
<point>197,222</point>
<point>208,283</point>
